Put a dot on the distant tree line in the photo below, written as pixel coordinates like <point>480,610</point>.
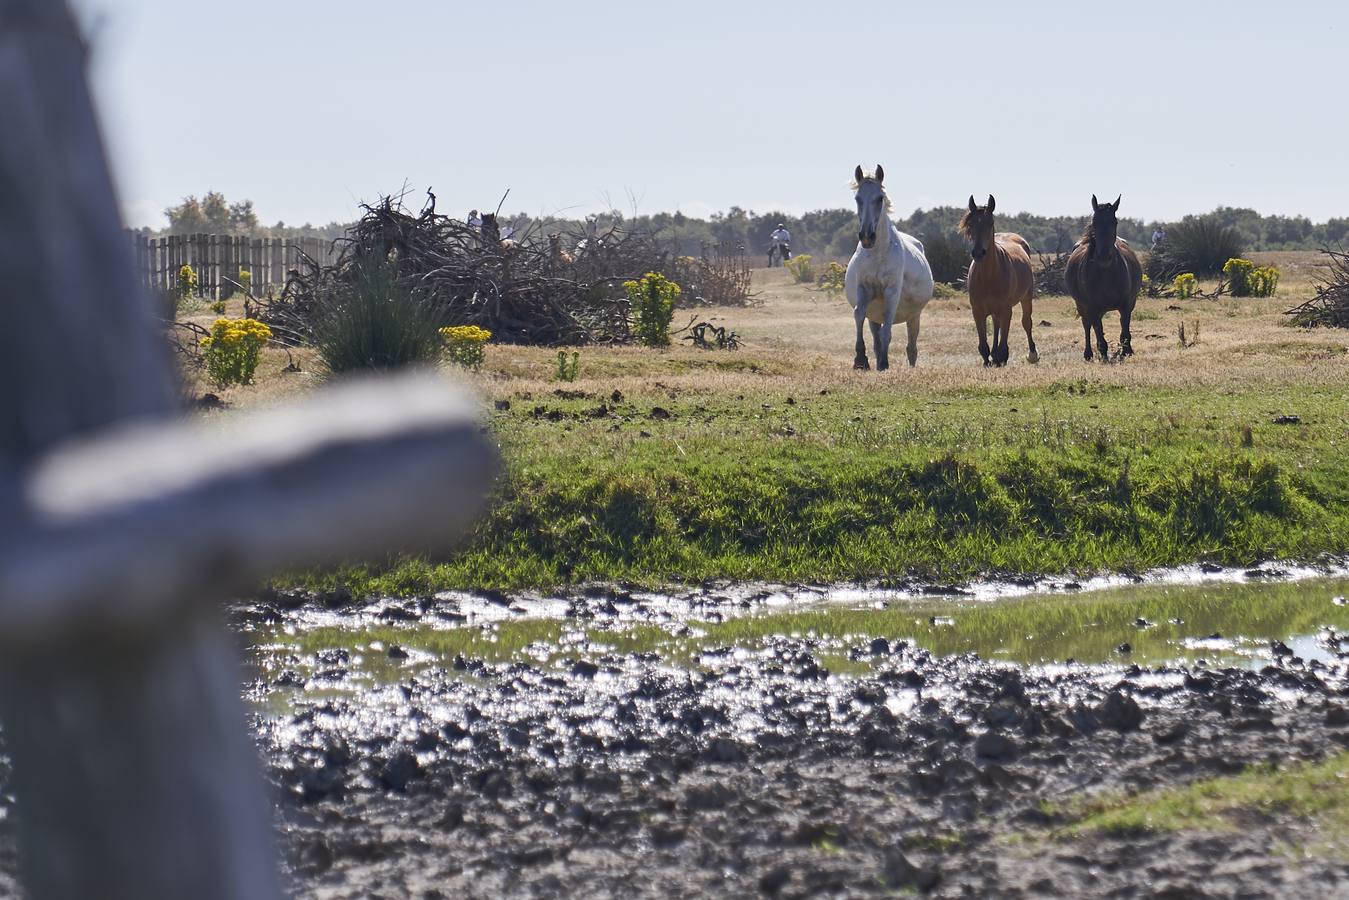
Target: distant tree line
<point>824,232</point>
<point>213,214</point>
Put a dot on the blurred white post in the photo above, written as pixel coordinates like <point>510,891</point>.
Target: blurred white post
<point>122,524</point>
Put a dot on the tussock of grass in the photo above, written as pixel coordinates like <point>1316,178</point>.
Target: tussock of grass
<point>1318,792</point>
<point>819,513</point>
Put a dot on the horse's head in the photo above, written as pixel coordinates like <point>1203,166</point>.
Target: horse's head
<point>1104,227</point>
<point>977,226</point>
<point>872,205</point>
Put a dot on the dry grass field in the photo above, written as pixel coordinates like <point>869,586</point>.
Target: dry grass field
<point>798,339</point>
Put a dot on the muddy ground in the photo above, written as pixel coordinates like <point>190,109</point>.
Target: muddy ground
<point>760,773</point>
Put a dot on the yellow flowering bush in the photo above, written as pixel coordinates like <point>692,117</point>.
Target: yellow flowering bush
<point>1185,284</point>
<point>187,284</point>
<point>1264,281</point>
<point>652,301</point>
<point>232,350</point>
<point>1249,280</point>
<point>801,267</point>
<point>465,345</point>
<point>831,280</point>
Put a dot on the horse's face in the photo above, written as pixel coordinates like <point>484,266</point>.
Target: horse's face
<point>871,206</point>
<point>1104,227</point>
<point>978,227</point>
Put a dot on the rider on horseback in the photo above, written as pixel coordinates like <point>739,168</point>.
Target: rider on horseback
<point>780,244</point>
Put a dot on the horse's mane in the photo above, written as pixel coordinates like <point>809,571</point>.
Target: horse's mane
<point>966,226</point>
<point>856,185</point>
<point>1089,236</point>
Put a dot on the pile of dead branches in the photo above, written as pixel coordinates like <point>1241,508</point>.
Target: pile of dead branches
<point>1049,276</point>
<point>719,276</point>
<point>525,289</point>
<point>1330,307</point>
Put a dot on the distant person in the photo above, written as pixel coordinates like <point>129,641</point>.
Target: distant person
<point>1158,235</point>
<point>474,220</point>
<point>779,245</point>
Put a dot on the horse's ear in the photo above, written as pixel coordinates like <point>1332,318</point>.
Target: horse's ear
<point>974,207</point>
<point>858,175</point>
<point>1094,205</point>
<point>992,204</point>
<point>880,174</point>
<point>1117,200</point>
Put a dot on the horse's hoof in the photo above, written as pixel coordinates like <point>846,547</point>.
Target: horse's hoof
<point>1033,358</point>
<point>861,364</point>
<point>882,366</point>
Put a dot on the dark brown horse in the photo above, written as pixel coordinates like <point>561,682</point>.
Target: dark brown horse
<point>1103,274</point>
<point>1000,278</point>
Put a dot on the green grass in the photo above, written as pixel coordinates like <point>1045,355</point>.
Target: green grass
<point>1081,477</point>
<point>1087,628</point>
<point>1316,793</point>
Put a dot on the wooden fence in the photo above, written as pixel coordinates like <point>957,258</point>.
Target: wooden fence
<point>219,259</point>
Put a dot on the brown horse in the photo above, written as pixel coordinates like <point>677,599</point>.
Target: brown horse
<point>1103,274</point>
<point>1000,278</point>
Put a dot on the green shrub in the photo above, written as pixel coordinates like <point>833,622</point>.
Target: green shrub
<point>652,302</point>
<point>568,367</point>
<point>948,257</point>
<point>803,271</point>
<point>232,350</point>
<point>373,322</point>
<point>1199,245</point>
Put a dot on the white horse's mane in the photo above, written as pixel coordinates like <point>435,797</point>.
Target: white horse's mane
<point>856,185</point>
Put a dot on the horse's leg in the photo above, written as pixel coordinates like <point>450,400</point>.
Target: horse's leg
<point>1026,319</point>
<point>892,300</point>
<point>1101,345</point>
<point>880,345</point>
<point>999,335</point>
<point>860,361</point>
<point>1086,336</point>
<point>912,347</point>
<point>981,324</point>
<point>1005,323</point>
<point>1126,338</point>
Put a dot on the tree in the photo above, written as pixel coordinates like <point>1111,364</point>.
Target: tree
<point>213,214</point>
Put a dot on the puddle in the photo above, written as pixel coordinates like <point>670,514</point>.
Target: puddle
<point>1224,621</point>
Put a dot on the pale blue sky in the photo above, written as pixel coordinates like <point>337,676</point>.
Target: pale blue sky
<point>308,107</point>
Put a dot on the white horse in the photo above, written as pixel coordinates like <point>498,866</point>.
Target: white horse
<point>888,278</point>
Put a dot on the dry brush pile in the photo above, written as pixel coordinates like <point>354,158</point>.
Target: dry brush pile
<point>528,290</point>
<point>1330,307</point>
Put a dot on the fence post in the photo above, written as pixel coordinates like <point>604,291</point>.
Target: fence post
<point>210,278</point>
<point>277,279</point>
